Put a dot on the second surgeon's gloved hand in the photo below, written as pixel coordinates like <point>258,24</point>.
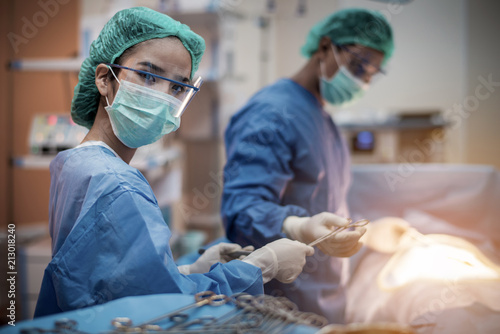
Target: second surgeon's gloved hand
<point>307,229</point>
<point>282,259</point>
<point>217,253</point>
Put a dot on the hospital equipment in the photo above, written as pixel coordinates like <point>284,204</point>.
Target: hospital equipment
<point>234,255</point>
<point>359,223</point>
<point>210,313</point>
<point>201,298</point>
<point>309,229</point>
<point>218,252</point>
<point>53,133</point>
<point>380,136</point>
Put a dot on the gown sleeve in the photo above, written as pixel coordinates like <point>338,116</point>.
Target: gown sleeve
<point>121,248</point>
<point>259,153</point>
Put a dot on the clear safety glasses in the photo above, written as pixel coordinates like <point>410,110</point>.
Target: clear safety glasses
<point>149,76</point>
<point>359,66</point>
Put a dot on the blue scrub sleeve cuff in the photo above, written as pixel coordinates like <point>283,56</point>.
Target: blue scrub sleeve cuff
<point>241,277</point>
<point>280,214</point>
<point>266,228</point>
<point>293,210</point>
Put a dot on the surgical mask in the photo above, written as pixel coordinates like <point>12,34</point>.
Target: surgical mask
<point>140,116</point>
<point>343,87</point>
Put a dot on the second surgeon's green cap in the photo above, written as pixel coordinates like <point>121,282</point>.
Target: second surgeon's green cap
<point>125,29</point>
<point>353,26</point>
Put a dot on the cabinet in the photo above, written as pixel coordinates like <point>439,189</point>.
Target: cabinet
<point>32,92</point>
<point>407,137</point>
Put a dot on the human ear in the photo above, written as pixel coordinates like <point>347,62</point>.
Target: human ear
<point>324,47</point>
<point>101,79</point>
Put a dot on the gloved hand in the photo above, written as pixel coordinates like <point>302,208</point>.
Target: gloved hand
<point>307,229</point>
<point>217,253</point>
<point>282,259</point>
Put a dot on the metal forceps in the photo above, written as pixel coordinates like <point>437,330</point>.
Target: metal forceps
<point>350,224</point>
<point>61,326</point>
<point>178,316</point>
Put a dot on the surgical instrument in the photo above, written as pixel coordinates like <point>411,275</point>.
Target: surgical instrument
<point>201,298</point>
<point>350,224</point>
<point>234,255</point>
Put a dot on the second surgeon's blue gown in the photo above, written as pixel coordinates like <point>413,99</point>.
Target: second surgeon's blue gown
<point>286,157</point>
<point>109,239</point>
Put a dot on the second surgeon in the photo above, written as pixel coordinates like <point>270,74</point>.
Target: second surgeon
<point>288,168</point>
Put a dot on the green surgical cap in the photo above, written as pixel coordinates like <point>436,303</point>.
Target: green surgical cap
<point>125,29</point>
<point>353,26</point>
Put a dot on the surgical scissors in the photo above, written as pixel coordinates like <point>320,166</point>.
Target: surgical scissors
<point>201,298</point>
<point>350,224</point>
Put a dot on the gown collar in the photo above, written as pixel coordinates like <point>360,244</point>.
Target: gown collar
<point>97,143</point>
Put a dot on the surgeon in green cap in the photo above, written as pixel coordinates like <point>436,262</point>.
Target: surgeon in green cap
<point>109,239</point>
<point>288,169</point>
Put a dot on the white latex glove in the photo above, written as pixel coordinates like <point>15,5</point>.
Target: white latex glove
<point>307,229</point>
<point>217,253</point>
<point>282,259</point>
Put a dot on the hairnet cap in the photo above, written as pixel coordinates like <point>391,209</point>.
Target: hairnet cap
<point>353,26</point>
<point>125,29</point>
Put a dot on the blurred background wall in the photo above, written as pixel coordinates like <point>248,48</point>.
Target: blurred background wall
<point>30,30</point>
<point>26,93</point>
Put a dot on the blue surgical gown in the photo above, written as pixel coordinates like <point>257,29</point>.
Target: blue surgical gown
<point>286,157</point>
<point>109,239</point>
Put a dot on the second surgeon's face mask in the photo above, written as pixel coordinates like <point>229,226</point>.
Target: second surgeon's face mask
<point>343,87</point>
<point>140,116</point>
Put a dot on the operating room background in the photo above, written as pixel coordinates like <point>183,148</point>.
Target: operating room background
<point>444,51</point>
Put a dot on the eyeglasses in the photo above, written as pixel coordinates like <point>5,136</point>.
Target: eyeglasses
<point>180,90</point>
<point>358,64</point>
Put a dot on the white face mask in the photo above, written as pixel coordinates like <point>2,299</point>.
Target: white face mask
<point>140,116</point>
<point>343,87</point>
